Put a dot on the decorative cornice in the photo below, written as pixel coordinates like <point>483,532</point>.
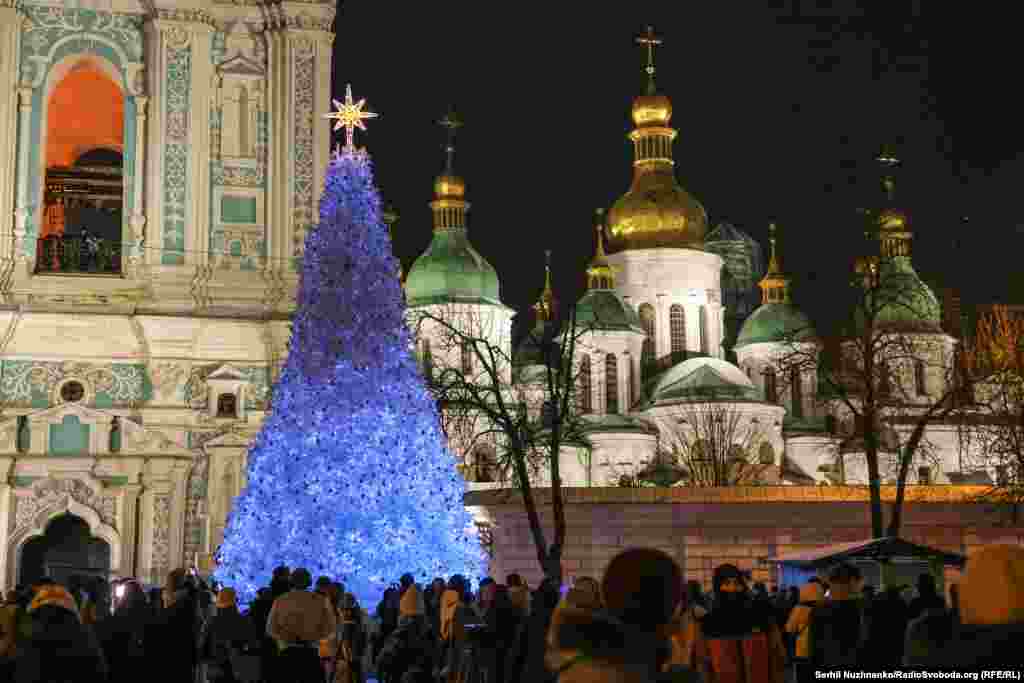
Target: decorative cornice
<point>188,16</point>
<point>732,495</point>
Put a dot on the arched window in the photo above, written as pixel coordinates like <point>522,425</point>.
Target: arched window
<point>467,358</point>
<point>427,360</point>
<point>920,380</point>
<point>586,399</point>
<point>766,454</point>
<point>611,381</point>
<point>771,393</point>
<point>884,379</point>
<point>647,355</point>
<point>796,393</point>
<point>705,343</point>
<point>227,406</point>
<point>485,465</point>
<point>243,121</point>
<point>24,435</point>
<point>677,330</point>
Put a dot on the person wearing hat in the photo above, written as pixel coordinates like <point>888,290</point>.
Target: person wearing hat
<point>799,627</point>
<point>122,633</point>
<point>298,621</point>
<point>59,646</point>
<point>739,639</point>
<point>224,636</point>
<point>348,662</point>
<point>627,641</point>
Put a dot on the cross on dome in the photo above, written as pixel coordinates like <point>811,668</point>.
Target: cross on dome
<point>651,41</point>
<point>451,122</point>
<point>349,115</point>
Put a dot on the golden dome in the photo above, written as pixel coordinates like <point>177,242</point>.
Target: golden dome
<point>652,110</point>
<point>449,186</point>
<point>656,212</point>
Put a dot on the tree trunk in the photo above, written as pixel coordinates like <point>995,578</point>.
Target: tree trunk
<point>530,504</point>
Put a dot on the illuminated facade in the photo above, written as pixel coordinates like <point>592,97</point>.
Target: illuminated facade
<point>161,165</point>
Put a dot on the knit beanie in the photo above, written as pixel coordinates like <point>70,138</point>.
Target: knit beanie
<point>409,605</point>
<point>642,587</point>
<point>992,588</point>
<point>54,596</point>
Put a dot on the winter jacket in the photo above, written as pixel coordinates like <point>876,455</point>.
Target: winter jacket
<point>226,632</point>
<point>754,655</point>
<point>172,636</point>
<point>407,650</point>
<point>60,648</point>
<point>591,647</point>
<point>799,622</point>
<point>121,635</point>
<point>927,636</point>
<point>527,651</point>
<point>836,634</point>
<point>301,617</point>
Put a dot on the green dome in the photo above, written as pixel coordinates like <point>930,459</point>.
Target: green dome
<point>775,323</point>
<point>702,379</point>
<point>603,309</point>
<point>906,303</point>
<point>451,270</point>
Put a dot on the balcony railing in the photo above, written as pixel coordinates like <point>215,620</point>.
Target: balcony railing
<point>78,254</point>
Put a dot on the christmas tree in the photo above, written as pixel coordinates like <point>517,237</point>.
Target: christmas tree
<point>350,476</point>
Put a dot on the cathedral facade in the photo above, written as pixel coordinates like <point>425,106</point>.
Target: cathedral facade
<point>161,165</point>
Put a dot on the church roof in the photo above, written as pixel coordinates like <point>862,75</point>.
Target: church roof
<point>603,309</point>
<point>775,322</point>
<point>702,379</point>
<point>451,270</point>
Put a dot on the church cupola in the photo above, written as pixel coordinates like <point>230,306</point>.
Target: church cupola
<point>775,284</point>
<point>451,270</point>
<point>656,212</point>
<point>600,274</point>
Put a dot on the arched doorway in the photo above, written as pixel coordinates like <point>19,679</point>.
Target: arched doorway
<point>67,549</point>
<point>83,192</point>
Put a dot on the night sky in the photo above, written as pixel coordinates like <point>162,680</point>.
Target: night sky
<point>779,112</point>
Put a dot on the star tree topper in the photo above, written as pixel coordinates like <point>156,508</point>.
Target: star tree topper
<point>349,115</point>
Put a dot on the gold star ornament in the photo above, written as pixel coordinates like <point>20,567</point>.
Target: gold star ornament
<point>349,115</point>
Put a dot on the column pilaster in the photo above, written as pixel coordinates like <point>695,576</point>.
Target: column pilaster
<point>21,213</point>
<point>10,48</point>
<point>6,508</point>
<point>137,221</point>
<point>129,528</point>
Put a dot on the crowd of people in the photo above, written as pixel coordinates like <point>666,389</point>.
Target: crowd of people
<point>641,622</point>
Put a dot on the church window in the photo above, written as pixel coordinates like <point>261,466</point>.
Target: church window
<point>677,329</point>
<point>647,355</point>
<point>243,120</point>
<point>924,475</point>
<point>705,343</point>
<point>467,358</point>
<point>920,382</point>
<point>770,390</point>
<point>227,406</point>
<point>72,392</point>
<point>766,454</point>
<point>485,465</point>
<point>884,379</point>
<point>586,404</point>
<point>1002,475</point>
<point>796,393</point>
<point>611,380</point>
<point>427,360</point>
<point>115,435</point>
<point>24,437</point>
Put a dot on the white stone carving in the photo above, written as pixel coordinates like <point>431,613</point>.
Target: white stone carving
<point>161,534</point>
<point>51,493</point>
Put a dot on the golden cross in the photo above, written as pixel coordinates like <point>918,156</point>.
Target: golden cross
<point>452,122</point>
<point>651,41</point>
<point>349,115</point>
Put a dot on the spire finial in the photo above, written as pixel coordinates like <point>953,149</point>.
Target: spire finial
<point>774,285</point>
<point>545,306</point>
<point>651,41</point>
<point>774,261</point>
<point>349,115</point>
<point>451,122</point>
<point>599,229</point>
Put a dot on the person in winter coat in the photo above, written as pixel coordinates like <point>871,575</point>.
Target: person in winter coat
<point>626,642</point>
<point>837,625</point>
<point>171,636</point>
<point>525,660</point>
<point>348,663</point>
<point>59,646</point>
<point>798,628</point>
<point>224,636</point>
<point>298,621</point>
<point>739,640</point>
<point>883,631</point>
<point>407,654</point>
<point>927,597</point>
<point>990,634</point>
<point>122,633</point>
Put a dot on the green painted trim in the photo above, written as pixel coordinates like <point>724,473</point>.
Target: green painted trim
<point>119,480</point>
<point>22,482</point>
<point>234,209</point>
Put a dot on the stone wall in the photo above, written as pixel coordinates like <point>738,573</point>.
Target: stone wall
<point>703,528</point>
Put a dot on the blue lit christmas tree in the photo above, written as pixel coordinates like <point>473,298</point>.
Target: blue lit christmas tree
<point>350,476</point>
